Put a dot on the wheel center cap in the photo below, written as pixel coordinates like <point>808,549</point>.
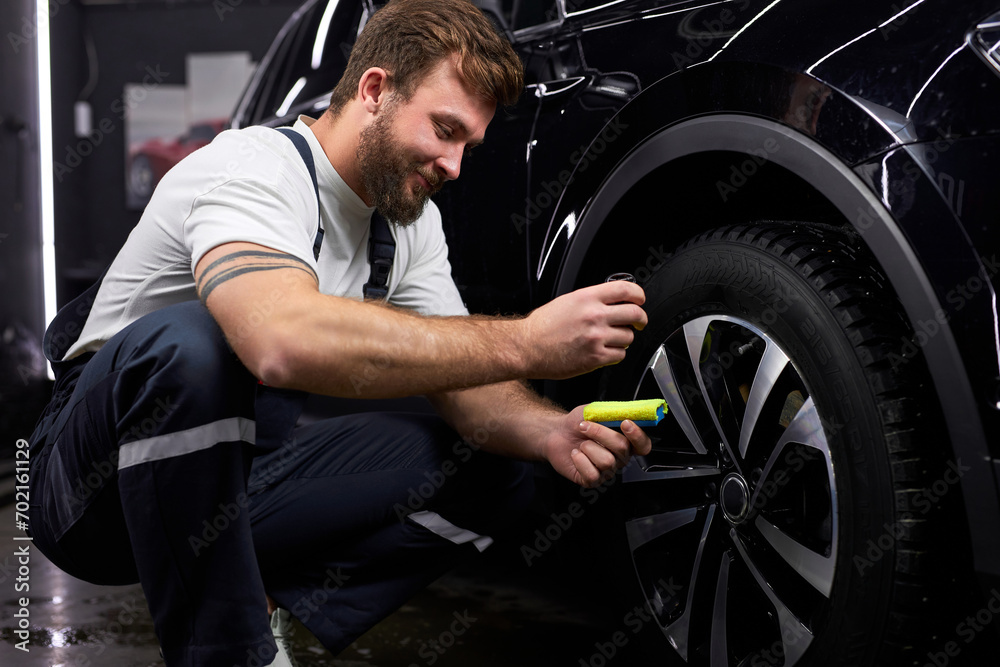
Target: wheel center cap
<point>734,498</point>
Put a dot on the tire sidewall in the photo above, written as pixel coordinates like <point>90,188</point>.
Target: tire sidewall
<point>729,277</point>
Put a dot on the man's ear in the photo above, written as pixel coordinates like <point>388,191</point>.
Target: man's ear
<point>373,89</point>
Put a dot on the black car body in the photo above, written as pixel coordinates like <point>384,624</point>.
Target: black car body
<point>657,135</point>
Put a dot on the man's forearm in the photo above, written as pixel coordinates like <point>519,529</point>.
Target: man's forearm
<point>290,335</point>
<point>351,349</point>
<point>506,418</point>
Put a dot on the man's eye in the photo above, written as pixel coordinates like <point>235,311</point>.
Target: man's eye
<point>443,130</point>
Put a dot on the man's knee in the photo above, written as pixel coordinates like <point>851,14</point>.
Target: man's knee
<point>178,372</point>
<point>192,345</point>
<point>184,343</point>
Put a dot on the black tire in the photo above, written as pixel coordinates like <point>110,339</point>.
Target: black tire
<point>751,525</point>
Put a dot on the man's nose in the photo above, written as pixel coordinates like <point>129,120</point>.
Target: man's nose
<point>450,163</point>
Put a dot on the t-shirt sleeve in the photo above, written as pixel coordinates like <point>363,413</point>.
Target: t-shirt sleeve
<point>276,210</point>
<point>427,285</point>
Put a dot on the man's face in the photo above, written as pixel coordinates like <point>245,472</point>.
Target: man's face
<point>413,146</point>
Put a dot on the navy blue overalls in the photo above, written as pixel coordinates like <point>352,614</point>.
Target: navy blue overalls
<point>161,459</point>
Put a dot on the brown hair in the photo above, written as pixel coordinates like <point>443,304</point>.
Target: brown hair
<point>408,38</point>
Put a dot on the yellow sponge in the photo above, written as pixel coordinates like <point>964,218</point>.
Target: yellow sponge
<point>647,412</point>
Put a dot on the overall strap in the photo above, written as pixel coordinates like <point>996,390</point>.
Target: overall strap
<point>302,146</point>
<point>381,244</point>
<point>381,252</point>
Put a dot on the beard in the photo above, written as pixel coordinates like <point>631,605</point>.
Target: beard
<point>384,169</point>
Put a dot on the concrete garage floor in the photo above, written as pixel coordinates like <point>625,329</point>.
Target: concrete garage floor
<point>553,613</point>
<point>496,612</point>
<point>502,614</point>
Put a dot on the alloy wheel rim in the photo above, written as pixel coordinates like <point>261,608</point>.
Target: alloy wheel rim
<point>733,521</point>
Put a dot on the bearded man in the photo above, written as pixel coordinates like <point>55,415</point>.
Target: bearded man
<point>180,375</point>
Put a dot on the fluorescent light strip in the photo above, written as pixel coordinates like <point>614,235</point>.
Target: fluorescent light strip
<point>903,11</point>
<point>862,36</point>
<point>931,78</point>
<point>740,31</point>
<point>839,49</point>
<point>291,97</point>
<point>321,34</point>
<point>44,67</point>
<point>592,9</point>
<point>646,15</point>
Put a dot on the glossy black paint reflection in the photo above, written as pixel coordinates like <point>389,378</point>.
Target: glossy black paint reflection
<point>892,92</point>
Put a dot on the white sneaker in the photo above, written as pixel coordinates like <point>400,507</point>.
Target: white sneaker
<point>281,626</point>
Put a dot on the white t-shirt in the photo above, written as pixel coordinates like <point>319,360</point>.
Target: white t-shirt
<point>251,185</point>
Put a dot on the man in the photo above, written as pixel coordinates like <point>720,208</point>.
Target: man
<point>225,305</point>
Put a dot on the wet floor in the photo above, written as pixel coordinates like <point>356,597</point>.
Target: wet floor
<point>496,613</point>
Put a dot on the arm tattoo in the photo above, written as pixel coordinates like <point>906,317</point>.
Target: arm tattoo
<point>224,268</point>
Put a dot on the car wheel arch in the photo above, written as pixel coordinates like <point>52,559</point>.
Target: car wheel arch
<point>857,206</point>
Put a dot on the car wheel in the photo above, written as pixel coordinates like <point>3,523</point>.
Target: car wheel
<point>771,524</point>
<point>141,177</point>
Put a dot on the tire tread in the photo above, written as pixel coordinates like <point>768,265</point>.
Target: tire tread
<point>835,264</point>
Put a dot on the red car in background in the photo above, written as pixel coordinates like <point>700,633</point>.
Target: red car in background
<point>152,159</point>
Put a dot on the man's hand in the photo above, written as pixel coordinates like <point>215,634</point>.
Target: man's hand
<point>588,453</point>
<point>584,330</point>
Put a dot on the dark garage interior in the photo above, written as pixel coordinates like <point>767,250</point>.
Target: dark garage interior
<point>99,47</point>
<point>804,196</point>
